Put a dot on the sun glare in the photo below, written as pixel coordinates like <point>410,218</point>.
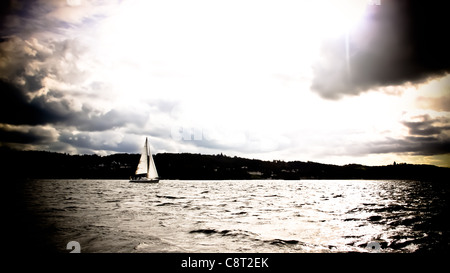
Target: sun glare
<point>333,18</point>
<point>199,38</point>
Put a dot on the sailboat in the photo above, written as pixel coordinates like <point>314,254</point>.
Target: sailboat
<point>146,169</point>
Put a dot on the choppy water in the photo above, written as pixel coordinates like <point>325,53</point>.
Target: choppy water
<point>237,216</point>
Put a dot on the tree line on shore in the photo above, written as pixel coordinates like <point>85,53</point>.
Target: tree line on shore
<point>185,166</point>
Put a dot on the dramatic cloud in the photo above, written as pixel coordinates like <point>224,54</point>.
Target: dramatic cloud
<point>100,141</point>
<point>395,43</point>
<point>48,83</point>
<point>426,126</point>
<point>28,134</point>
<point>15,109</point>
<point>427,136</point>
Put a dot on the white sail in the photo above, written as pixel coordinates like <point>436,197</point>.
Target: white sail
<point>146,170</point>
<point>152,173</point>
<point>142,167</point>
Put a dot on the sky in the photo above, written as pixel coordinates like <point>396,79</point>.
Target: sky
<point>330,81</point>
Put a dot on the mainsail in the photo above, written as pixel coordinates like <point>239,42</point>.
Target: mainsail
<point>142,167</point>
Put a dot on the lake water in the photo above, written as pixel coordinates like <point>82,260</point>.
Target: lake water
<point>236,216</point>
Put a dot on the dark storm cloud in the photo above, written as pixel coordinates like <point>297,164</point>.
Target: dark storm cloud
<point>109,120</point>
<point>34,135</point>
<point>26,17</point>
<point>26,100</point>
<point>428,126</point>
<point>88,142</point>
<point>12,14</point>
<point>427,136</point>
<point>47,96</point>
<point>399,42</point>
<point>16,109</point>
<point>415,145</point>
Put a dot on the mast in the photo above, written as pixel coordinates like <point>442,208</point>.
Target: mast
<point>146,155</point>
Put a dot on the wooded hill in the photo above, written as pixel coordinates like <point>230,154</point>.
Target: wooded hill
<point>40,164</point>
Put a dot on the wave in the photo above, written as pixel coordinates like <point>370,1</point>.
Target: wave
<point>391,208</point>
<point>225,232</point>
<point>165,204</point>
<point>205,231</point>
<point>374,218</point>
<point>283,242</point>
<point>351,219</point>
<point>249,235</point>
<point>296,246</point>
<point>240,213</point>
<point>156,244</point>
<point>70,208</point>
<point>170,197</point>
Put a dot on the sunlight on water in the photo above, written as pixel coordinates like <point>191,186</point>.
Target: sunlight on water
<point>239,216</point>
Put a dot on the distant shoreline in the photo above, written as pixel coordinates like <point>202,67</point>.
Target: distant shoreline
<point>186,166</point>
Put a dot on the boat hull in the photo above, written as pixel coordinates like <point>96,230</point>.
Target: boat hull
<point>144,180</point>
